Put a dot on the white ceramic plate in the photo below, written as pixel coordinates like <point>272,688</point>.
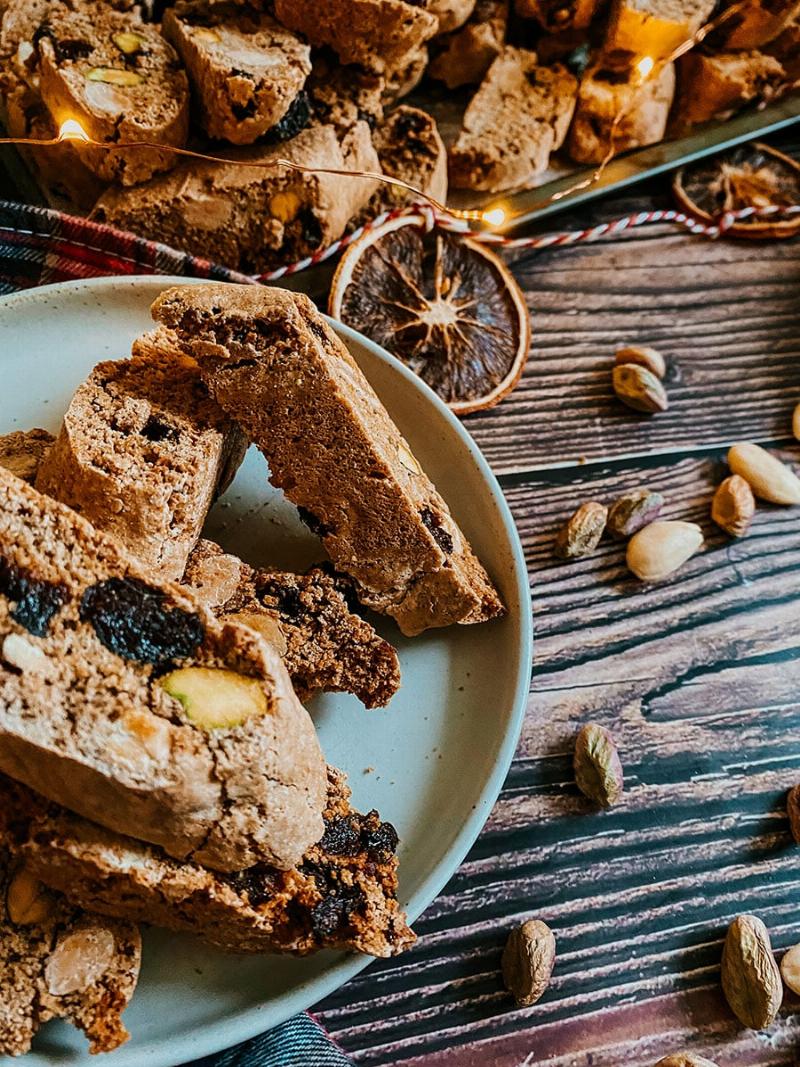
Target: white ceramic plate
<point>432,762</point>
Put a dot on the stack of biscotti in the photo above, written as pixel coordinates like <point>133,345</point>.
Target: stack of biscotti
<point>341,894</point>
<point>325,646</point>
<point>518,117</point>
<point>142,454</point>
<point>57,961</point>
<point>132,705</point>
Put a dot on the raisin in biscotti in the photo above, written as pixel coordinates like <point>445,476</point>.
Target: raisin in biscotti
<point>655,28</point>
<point>252,219</point>
<point>465,56</point>
<point>246,70</point>
<point>519,115</point>
<point>121,80</point>
<point>375,34</point>
<point>21,452</point>
<point>142,454</point>
<point>325,646</point>
<point>342,894</point>
<point>269,355</point>
<point>56,960</point>
<point>132,705</point>
<point>616,110</point>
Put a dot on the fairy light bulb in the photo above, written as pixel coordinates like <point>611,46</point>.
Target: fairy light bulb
<point>496,216</point>
<point>645,67</point>
<point>71,130</point>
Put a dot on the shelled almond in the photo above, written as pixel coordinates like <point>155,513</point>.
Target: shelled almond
<point>769,479</point>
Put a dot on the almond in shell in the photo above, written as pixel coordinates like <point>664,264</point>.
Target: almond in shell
<point>751,980</point>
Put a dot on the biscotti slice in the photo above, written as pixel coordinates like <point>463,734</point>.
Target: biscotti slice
<point>409,147</point>
<point>325,646</point>
<point>142,454</point>
<point>342,96</point>
<point>252,218</point>
<point>716,86</point>
<point>404,76</point>
<point>121,80</point>
<point>129,703</point>
<point>343,894</point>
<point>56,960</point>
<point>246,70</point>
<point>376,34</point>
<point>466,55</point>
<point>21,452</point>
<point>752,24</point>
<point>786,49</point>
<point>519,115</point>
<point>655,28</point>
<point>617,110</point>
<point>556,16</point>
<point>269,355</point>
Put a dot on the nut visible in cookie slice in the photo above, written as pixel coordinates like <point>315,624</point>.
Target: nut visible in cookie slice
<point>127,42</point>
<point>27,901</point>
<point>266,625</point>
<point>215,698</point>
<point>79,960</point>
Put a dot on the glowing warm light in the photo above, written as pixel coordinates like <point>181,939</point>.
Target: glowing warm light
<point>494,217</point>
<point>645,66</point>
<point>71,130</point>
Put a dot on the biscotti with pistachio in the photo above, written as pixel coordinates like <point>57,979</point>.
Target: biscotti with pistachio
<point>255,218</point>
<point>246,70</point>
<point>129,703</point>
<point>121,80</point>
<point>342,893</point>
<point>325,645</point>
<point>142,454</point>
<point>269,356</point>
<point>57,961</point>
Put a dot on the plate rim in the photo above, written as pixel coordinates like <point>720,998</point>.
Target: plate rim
<point>249,1022</point>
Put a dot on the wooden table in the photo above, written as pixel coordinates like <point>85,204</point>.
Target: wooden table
<point>698,677</point>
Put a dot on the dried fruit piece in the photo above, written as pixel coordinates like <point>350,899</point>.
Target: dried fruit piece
<point>751,175</point>
<point>28,658</point>
<point>769,478</point>
<point>662,547</point>
<point>632,511</point>
<point>446,306</point>
<point>790,968</point>
<point>581,534</point>
<point>685,1059</point>
<point>112,76</point>
<point>127,42</point>
<point>27,902</point>
<point>214,698</point>
<point>79,960</point>
<point>751,980</point>
<point>639,388</point>
<point>649,358</point>
<point>528,960</point>
<point>733,506</point>
<point>598,770</point>
<point>793,811</point>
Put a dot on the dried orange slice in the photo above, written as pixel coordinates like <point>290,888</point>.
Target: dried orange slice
<point>751,175</point>
<point>445,305</point>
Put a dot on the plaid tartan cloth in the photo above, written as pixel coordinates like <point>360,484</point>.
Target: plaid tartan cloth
<point>38,247</point>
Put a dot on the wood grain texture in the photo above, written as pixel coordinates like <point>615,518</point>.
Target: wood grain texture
<point>697,677</point>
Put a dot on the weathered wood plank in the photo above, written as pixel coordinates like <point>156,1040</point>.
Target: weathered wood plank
<point>697,678</point>
<point>726,314</point>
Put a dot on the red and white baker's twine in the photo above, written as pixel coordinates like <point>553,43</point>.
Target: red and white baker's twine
<point>430,219</point>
